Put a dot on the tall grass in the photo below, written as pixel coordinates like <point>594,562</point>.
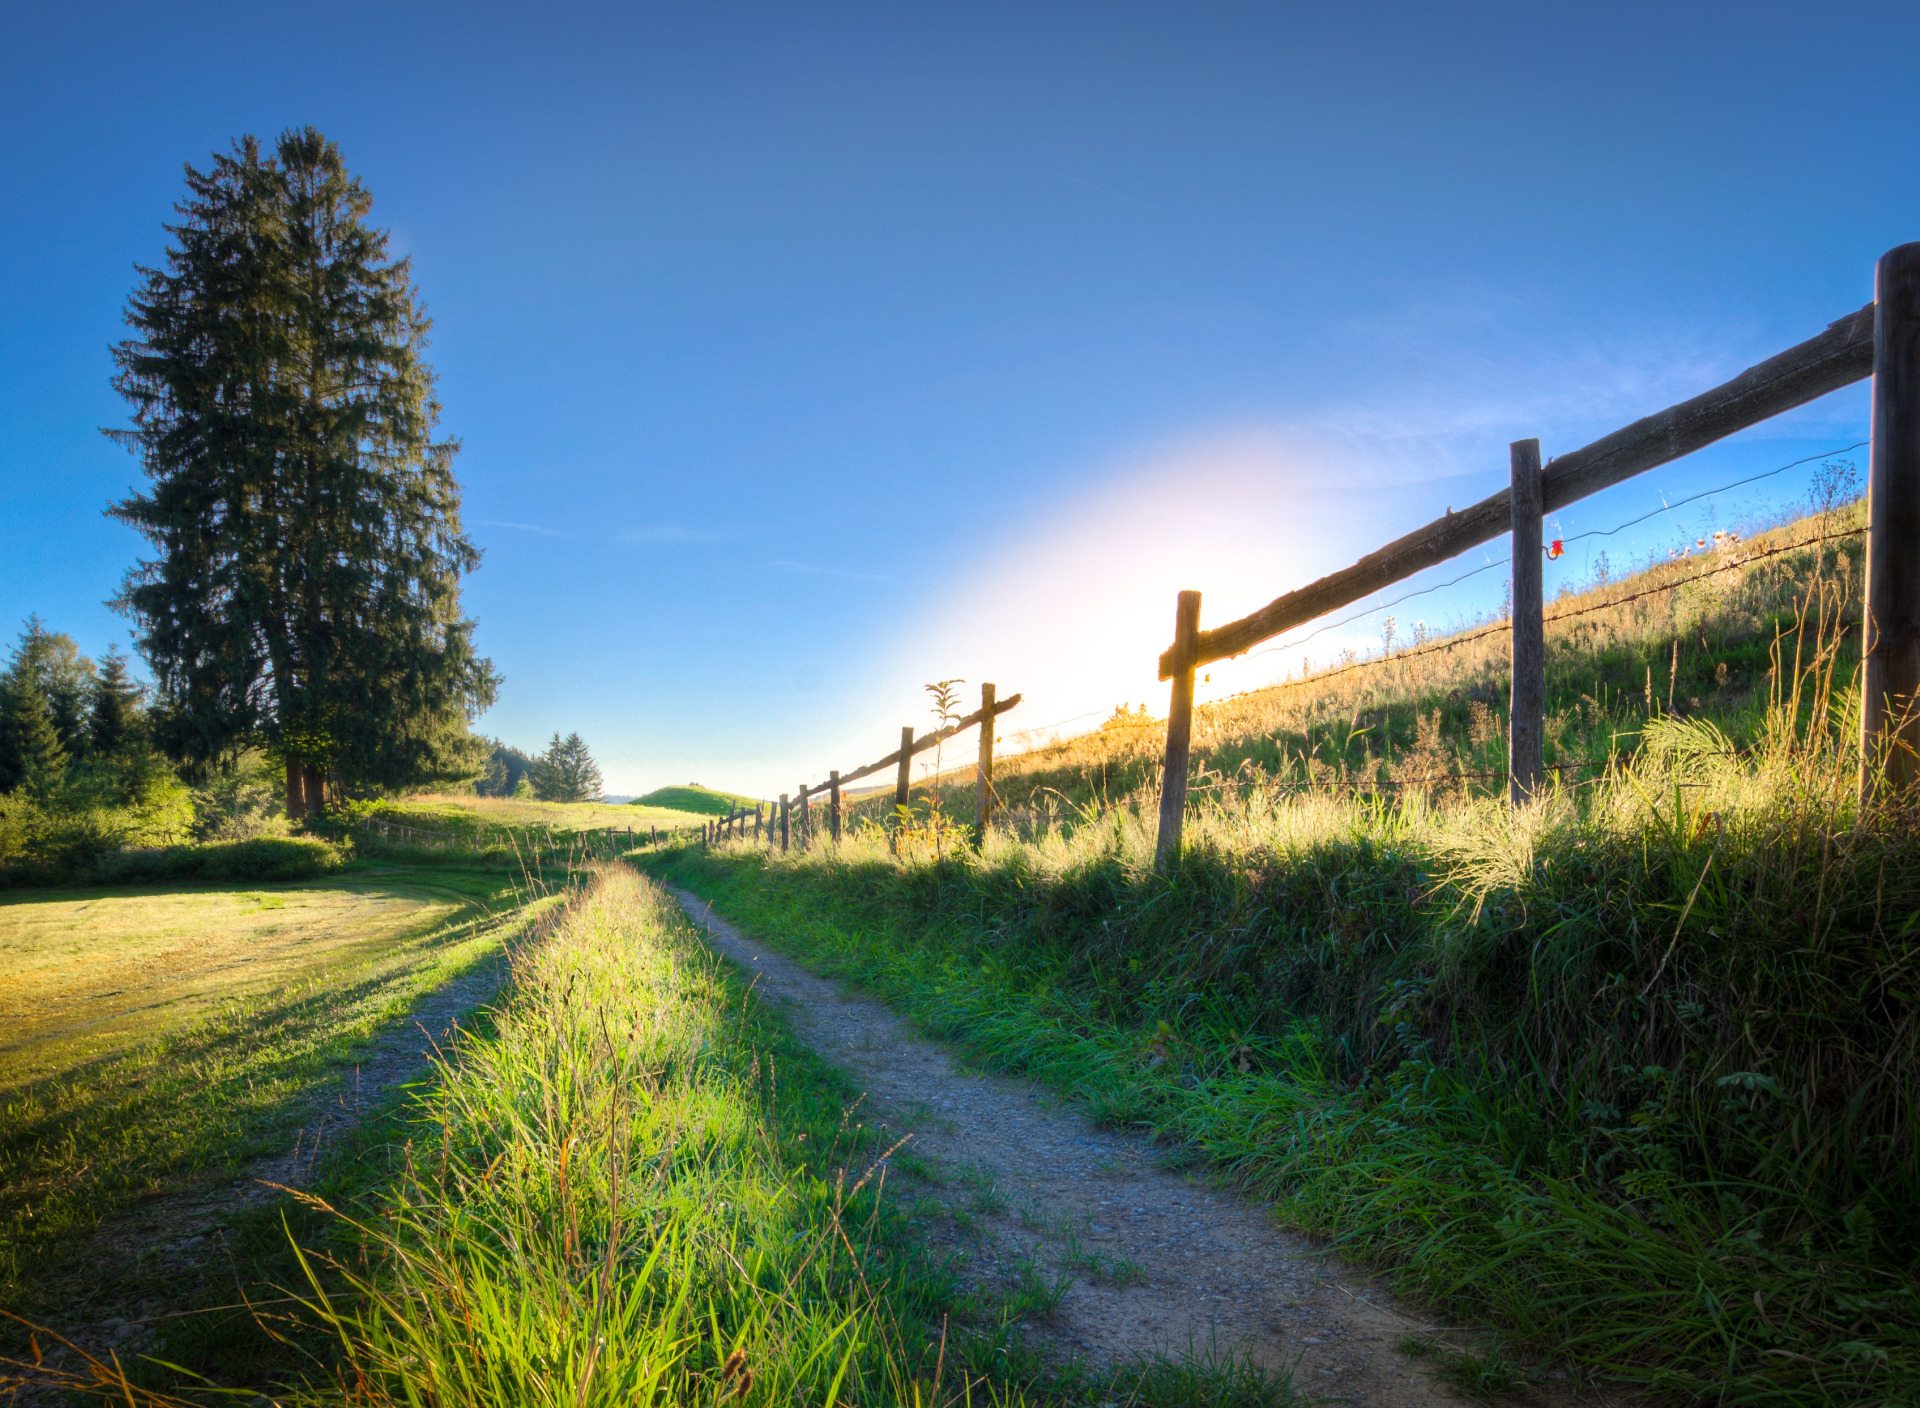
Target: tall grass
<point>637,1189</point>
<point>1631,1073</point>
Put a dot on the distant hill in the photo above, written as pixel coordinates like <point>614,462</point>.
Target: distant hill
<point>694,798</point>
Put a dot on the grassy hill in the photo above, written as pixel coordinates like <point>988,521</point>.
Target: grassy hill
<point>1629,1075</point>
<point>703,801</point>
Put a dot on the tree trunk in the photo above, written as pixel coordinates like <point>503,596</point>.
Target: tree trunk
<point>316,789</point>
<point>296,792</point>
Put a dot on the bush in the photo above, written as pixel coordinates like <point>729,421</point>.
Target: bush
<point>265,858</point>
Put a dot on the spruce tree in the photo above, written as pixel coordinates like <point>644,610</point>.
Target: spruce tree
<point>66,679</point>
<point>305,593</point>
<point>115,714</point>
<point>31,757</point>
<point>566,772</point>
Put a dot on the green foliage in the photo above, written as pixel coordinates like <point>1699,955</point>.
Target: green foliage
<point>702,801</point>
<point>305,590</point>
<point>32,759</point>
<point>114,720</point>
<point>507,769</point>
<point>265,858</point>
<point>678,1223</point>
<point>566,772</point>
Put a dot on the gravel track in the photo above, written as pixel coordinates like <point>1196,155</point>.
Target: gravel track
<point>1210,1269</point>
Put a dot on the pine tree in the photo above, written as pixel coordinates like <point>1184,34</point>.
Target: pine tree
<point>66,679</point>
<point>31,757</point>
<point>306,588</point>
<point>566,772</point>
<point>115,714</point>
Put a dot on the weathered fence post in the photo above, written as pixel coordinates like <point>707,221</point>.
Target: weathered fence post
<point>1890,703</point>
<point>1527,702</point>
<point>833,804</point>
<point>902,781</point>
<point>983,771</point>
<point>1173,786</point>
<point>783,821</point>
<point>653,834</point>
<point>806,818</point>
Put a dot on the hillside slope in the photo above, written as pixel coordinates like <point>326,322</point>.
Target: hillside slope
<point>1633,1074</point>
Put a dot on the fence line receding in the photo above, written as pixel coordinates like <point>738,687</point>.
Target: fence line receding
<point>1881,340</point>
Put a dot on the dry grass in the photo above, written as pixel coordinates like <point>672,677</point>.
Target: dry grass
<point>468,813</point>
<point>87,975</point>
<point>1689,637</point>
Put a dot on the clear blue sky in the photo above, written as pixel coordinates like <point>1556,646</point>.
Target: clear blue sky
<point>805,353</point>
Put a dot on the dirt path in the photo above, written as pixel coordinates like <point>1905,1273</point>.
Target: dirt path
<point>155,1242</point>
<point>1202,1266</point>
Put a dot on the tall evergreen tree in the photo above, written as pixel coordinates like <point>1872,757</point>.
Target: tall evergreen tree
<point>566,772</point>
<point>31,757</point>
<point>66,679</point>
<point>115,714</point>
<point>306,588</point>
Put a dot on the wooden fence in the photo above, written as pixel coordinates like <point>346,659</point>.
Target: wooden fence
<point>1881,340</point>
<point>792,814</point>
<point>476,840</point>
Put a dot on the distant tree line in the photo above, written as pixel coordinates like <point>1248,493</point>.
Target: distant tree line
<point>565,772</point>
<point>79,770</point>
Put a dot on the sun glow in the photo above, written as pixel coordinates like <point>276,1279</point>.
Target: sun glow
<point>1074,611</point>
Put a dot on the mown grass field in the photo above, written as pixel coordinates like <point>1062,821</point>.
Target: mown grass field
<point>158,1040</point>
<point>467,816</point>
<point>1632,1076</point>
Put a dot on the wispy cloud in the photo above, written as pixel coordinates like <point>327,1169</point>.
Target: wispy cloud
<point>522,527</point>
<point>678,533</point>
<point>809,569</point>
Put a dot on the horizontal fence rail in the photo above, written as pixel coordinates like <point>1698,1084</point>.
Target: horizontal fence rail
<point>1881,340</point>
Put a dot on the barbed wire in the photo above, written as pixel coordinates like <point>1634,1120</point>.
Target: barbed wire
<point>1454,642</point>
<point>1709,493</point>
<point>1574,538</point>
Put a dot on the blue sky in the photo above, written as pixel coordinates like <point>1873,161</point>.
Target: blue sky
<point>803,354</point>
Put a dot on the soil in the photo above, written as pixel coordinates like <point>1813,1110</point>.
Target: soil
<point>1164,1262</point>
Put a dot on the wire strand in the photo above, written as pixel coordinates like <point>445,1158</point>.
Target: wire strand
<point>1577,537</point>
<point>1452,642</point>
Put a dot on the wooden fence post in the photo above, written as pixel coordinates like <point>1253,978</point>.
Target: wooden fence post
<point>783,821</point>
<point>833,804</point>
<point>1527,702</point>
<point>1173,786</point>
<point>1890,702</point>
<point>983,770</point>
<point>806,819</point>
<point>902,781</point>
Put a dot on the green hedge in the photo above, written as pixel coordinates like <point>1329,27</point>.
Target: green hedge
<point>267,858</point>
